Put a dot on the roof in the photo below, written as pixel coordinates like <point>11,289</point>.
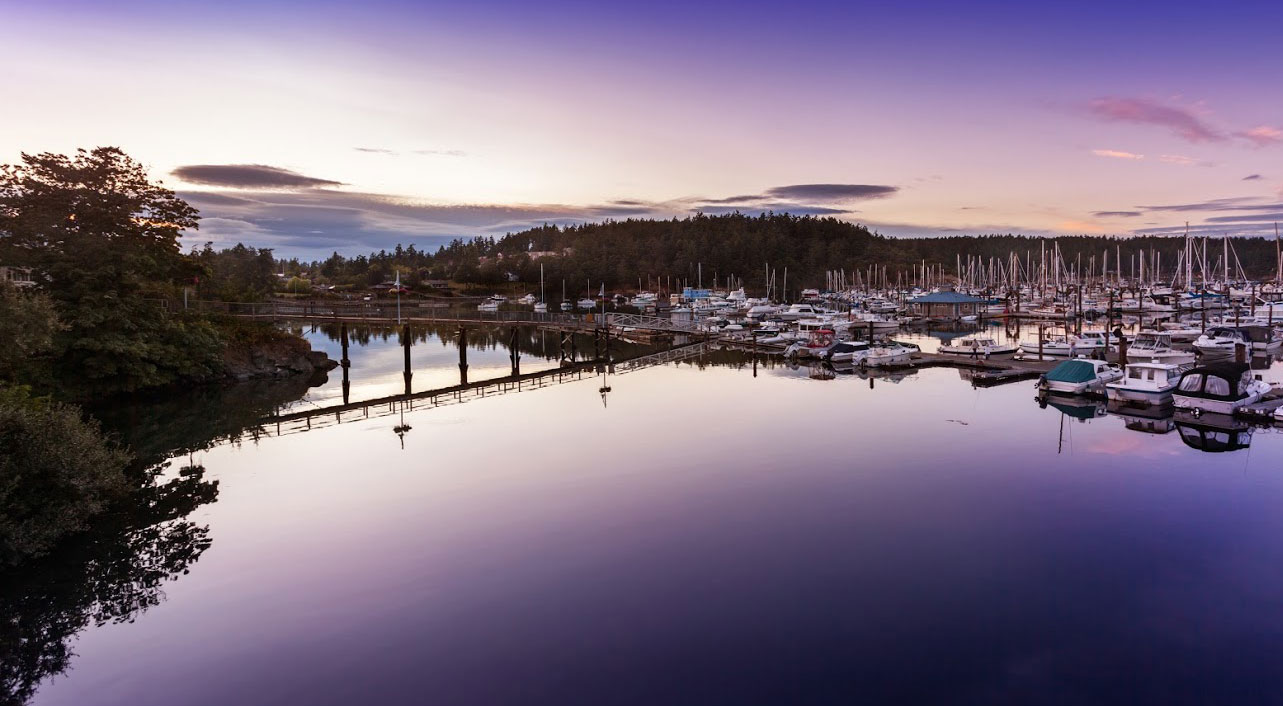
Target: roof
<point>946,298</point>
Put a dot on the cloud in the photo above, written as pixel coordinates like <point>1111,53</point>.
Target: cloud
<point>1116,154</point>
<point>1252,177</point>
<point>1179,160</point>
<point>1116,214</point>
<point>832,192</point>
<point>1227,204</point>
<point>441,153</point>
<point>374,150</point>
<point>248,176</point>
<point>1261,135</point>
<point>1144,111</point>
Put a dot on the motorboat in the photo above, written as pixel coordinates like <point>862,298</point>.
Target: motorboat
<point>585,303</point>
<point>849,351</point>
<point>889,353</point>
<point>817,345</point>
<point>527,299</point>
<point>541,307</point>
<point>1157,346</point>
<point>1223,341</point>
<point>977,346</point>
<point>1079,376</point>
<point>877,322</point>
<point>1148,383</point>
<point>1219,388</point>
<point>488,305</point>
<point>1062,346</point>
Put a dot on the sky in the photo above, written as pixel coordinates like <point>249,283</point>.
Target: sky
<point>312,127</point>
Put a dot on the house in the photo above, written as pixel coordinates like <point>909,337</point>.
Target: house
<point>437,284</point>
<point>17,276</point>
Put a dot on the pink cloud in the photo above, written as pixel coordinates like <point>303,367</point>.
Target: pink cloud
<point>1262,135</point>
<point>1144,111</point>
<point>1117,154</point>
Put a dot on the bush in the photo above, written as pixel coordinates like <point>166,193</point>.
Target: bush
<point>56,471</point>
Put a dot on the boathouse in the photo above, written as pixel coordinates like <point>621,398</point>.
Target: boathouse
<point>946,304</point>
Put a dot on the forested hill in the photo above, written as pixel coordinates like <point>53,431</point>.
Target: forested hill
<point>618,253</point>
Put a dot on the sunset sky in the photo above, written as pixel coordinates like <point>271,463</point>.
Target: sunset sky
<point>320,126</point>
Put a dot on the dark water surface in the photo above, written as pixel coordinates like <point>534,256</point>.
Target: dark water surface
<point>707,537</point>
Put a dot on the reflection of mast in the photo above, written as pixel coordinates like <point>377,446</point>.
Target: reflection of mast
<point>605,386</point>
<point>402,428</point>
<point>1060,443</point>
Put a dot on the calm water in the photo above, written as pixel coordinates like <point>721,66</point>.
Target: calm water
<point>701,536</point>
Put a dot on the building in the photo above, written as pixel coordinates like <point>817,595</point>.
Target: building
<point>17,276</point>
<point>946,304</point>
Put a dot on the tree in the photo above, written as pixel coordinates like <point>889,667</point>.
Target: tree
<point>102,241</point>
<point>28,323</point>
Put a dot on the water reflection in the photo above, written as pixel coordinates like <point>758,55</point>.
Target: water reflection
<point>110,574</point>
<point>579,542</point>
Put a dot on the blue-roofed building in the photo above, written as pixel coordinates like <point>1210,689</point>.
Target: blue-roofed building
<point>947,304</point>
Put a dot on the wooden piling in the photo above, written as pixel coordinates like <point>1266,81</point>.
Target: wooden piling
<point>463,356</point>
<point>405,343</point>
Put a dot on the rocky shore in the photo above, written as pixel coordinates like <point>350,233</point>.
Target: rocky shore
<point>277,358</point>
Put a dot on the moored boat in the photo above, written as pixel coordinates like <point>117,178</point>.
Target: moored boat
<point>1079,376</point>
<point>1218,388</point>
<point>978,346</point>
<point>1145,382</point>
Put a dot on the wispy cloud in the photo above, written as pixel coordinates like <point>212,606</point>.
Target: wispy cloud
<point>248,176</point>
<point>1117,154</point>
<point>1144,111</point>
<point>1261,135</point>
<point>834,192</point>
<point>1252,177</point>
<point>1116,214</point>
<point>441,153</point>
<point>382,150</point>
<point>1180,160</point>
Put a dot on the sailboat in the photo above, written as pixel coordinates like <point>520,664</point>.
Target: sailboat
<point>541,307</point>
<point>566,305</point>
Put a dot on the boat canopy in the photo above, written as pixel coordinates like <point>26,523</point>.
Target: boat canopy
<point>1072,371</point>
<point>1216,381</point>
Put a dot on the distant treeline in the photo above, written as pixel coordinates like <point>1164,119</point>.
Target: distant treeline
<point>649,252</point>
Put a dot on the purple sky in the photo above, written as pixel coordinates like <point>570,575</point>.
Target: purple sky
<point>312,127</point>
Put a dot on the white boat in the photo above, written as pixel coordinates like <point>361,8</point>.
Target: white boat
<point>488,305</point>
<point>1219,388</point>
<point>541,307</point>
<point>888,354</point>
<point>878,322</point>
<point>1181,332</point>
<point>1151,382</point>
<point>849,352</point>
<point>567,306</point>
<point>1079,376</point>
<point>1062,346</point>
<point>977,346</point>
<point>1221,342</point>
<point>585,303</point>
<point>798,311</point>
<point>1156,346</point>
<point>527,299</point>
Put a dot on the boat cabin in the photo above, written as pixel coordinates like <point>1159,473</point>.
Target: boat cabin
<point>1225,382</point>
<point>1156,376</point>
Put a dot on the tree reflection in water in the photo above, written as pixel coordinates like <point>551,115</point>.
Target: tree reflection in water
<point>117,570</point>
